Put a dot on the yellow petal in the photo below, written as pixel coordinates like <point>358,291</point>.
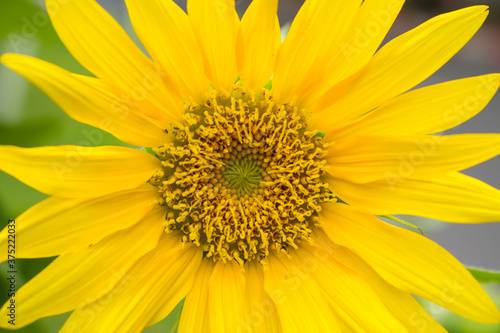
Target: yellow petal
<point>58,225</point>
<point>362,301</point>
<point>363,159</point>
<point>263,315</point>
<point>258,43</point>
<point>453,198</point>
<point>76,279</point>
<point>194,316</point>
<point>216,25</point>
<point>227,304</point>
<point>315,34</point>
<point>78,172</point>
<point>410,262</point>
<point>159,280</point>
<point>98,42</point>
<point>90,101</point>
<point>400,303</point>
<point>428,110</point>
<point>400,65</point>
<point>362,39</point>
<point>166,32</point>
<point>301,303</point>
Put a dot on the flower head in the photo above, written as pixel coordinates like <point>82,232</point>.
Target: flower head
<point>258,202</point>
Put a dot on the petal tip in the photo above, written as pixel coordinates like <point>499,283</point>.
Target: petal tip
<point>6,58</point>
<point>495,77</point>
<point>492,318</point>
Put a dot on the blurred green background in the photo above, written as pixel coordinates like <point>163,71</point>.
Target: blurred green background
<point>28,119</point>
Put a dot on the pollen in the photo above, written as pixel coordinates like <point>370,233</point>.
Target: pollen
<point>243,176</point>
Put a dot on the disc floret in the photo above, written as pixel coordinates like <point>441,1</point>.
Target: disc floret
<point>242,176</point>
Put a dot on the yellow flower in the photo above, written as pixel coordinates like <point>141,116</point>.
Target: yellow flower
<point>259,206</point>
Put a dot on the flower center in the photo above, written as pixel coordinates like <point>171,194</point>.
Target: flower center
<point>242,176</point>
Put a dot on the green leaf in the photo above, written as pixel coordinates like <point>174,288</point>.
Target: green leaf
<point>21,22</point>
<point>485,276</point>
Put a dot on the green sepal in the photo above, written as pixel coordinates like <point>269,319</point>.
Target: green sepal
<point>150,151</point>
<point>395,219</point>
<point>269,85</point>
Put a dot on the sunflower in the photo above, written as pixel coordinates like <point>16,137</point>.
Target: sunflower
<point>268,163</point>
